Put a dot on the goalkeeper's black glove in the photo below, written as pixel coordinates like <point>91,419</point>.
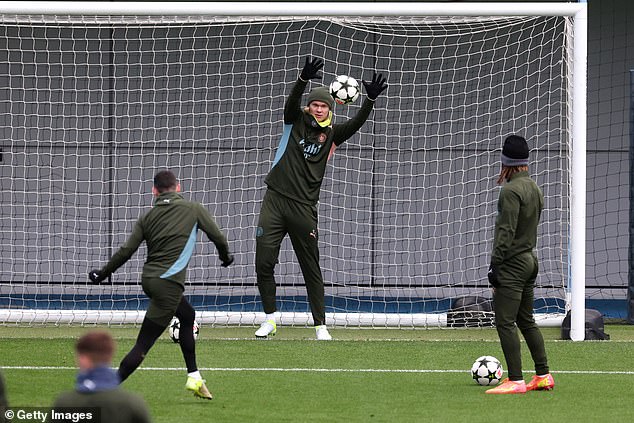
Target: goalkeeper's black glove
<point>226,260</point>
<point>311,69</point>
<point>376,86</point>
<point>96,276</point>
<point>492,274</point>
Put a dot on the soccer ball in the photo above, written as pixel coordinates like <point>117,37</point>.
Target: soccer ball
<point>174,329</point>
<point>487,370</point>
<point>344,89</point>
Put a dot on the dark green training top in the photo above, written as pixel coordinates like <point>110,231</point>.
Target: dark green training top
<point>169,230</point>
<point>519,208</point>
<point>114,405</point>
<point>305,147</point>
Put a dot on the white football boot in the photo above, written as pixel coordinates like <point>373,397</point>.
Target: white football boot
<point>322,333</point>
<point>267,328</point>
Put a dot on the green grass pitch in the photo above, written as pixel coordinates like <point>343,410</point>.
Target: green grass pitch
<point>364,375</point>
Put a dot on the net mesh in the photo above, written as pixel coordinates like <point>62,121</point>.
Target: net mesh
<point>93,106</point>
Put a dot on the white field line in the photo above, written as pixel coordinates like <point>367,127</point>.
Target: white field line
<point>309,370</point>
<point>494,341</point>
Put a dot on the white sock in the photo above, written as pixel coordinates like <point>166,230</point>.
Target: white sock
<point>196,375</point>
<point>270,316</point>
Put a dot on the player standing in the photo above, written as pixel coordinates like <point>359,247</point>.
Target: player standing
<point>308,140</point>
<point>514,268</point>
<point>169,230</point>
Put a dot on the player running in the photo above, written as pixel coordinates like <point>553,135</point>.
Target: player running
<point>308,140</point>
<point>169,230</point>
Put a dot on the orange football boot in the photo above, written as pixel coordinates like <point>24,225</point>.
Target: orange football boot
<point>541,383</point>
<point>509,387</point>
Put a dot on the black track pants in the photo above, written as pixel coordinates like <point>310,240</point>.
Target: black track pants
<point>513,304</point>
<point>279,216</point>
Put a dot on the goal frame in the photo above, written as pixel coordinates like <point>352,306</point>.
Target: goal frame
<point>577,200</point>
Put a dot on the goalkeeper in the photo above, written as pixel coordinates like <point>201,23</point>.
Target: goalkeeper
<point>514,268</point>
<point>308,140</point>
<point>169,230</point>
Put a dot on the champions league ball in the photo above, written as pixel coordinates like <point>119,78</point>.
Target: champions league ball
<point>344,89</point>
<point>487,371</point>
<point>175,327</point>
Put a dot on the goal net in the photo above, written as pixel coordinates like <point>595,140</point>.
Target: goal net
<point>94,105</point>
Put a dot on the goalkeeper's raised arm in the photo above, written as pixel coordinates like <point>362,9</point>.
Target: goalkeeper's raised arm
<point>373,89</point>
<point>292,108</point>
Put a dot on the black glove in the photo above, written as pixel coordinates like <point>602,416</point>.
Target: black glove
<point>311,67</point>
<point>493,275</point>
<point>376,87</point>
<point>96,276</point>
<point>226,260</point>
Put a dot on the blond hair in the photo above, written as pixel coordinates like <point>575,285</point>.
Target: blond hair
<point>508,171</point>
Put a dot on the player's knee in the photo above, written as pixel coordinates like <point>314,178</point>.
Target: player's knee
<point>526,326</point>
<point>504,324</point>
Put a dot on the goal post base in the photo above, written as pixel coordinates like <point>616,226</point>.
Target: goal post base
<point>221,318</point>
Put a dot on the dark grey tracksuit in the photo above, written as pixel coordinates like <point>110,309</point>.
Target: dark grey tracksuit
<point>519,208</point>
<point>290,203</point>
<point>169,230</point>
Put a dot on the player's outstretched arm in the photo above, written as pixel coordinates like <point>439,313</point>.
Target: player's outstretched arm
<point>119,258</point>
<point>372,90</point>
<point>311,69</point>
<point>292,108</point>
<point>209,226</point>
<point>375,87</point>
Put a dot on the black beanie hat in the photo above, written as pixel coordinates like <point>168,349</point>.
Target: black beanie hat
<point>515,151</point>
<point>321,94</point>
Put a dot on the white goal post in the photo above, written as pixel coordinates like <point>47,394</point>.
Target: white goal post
<point>99,95</point>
